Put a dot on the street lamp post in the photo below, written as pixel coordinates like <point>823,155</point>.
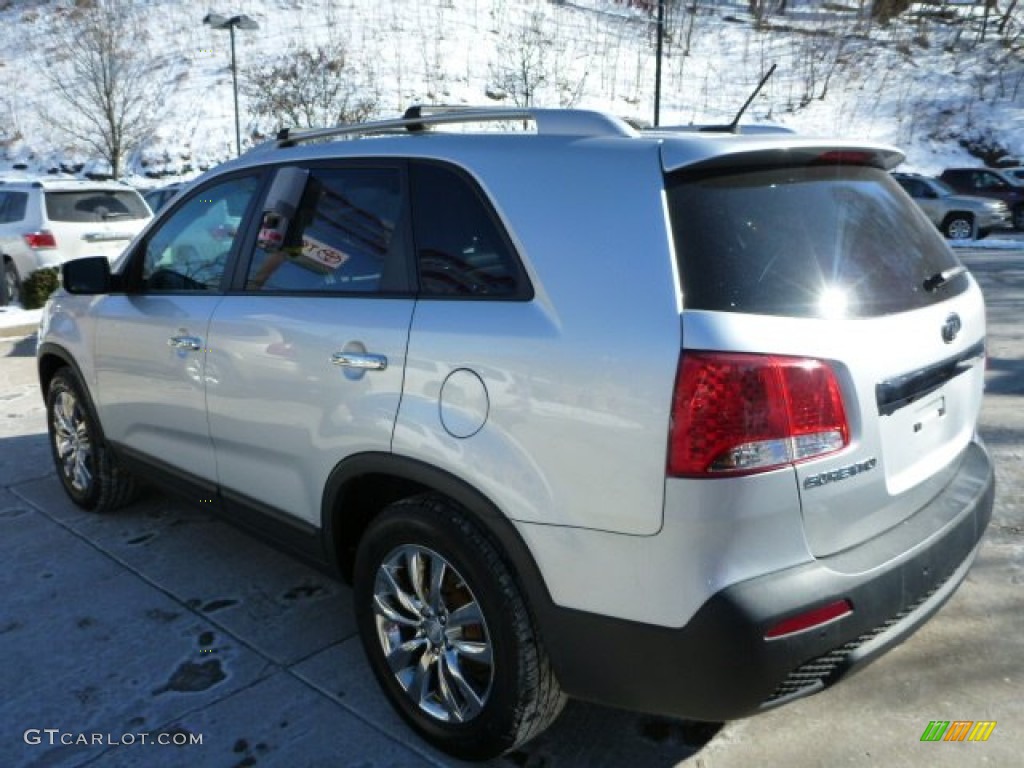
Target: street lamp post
<point>216,21</point>
<point>657,64</point>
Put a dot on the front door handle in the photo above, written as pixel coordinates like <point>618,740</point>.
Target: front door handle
<point>363,361</point>
<point>185,342</point>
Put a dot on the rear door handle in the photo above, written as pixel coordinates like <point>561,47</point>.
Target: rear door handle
<point>363,361</point>
<point>185,342</point>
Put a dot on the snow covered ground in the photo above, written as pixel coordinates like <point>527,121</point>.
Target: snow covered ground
<point>16,317</point>
<point>920,84</point>
<point>917,83</point>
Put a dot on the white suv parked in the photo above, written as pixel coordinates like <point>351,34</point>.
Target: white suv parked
<point>676,422</point>
<point>47,222</point>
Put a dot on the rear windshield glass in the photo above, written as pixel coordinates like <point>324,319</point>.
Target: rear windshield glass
<point>95,205</point>
<point>814,241</point>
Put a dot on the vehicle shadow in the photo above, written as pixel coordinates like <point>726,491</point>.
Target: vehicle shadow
<point>24,347</point>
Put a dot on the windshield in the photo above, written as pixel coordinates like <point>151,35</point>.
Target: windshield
<point>810,241</point>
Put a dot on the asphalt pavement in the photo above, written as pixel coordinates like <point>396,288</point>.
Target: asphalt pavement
<point>161,636</point>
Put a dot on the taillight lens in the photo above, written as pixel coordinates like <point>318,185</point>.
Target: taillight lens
<point>41,239</point>
<point>736,413</point>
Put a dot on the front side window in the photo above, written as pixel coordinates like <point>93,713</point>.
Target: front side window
<point>190,249</point>
<point>343,236</point>
<point>983,180</point>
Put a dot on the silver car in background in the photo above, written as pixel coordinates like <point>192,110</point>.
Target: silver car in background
<point>959,217</point>
<point>45,222</point>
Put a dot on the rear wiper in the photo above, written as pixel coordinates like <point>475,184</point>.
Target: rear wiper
<point>939,279</point>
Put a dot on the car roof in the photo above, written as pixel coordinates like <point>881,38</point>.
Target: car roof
<point>65,185</point>
<point>403,137</point>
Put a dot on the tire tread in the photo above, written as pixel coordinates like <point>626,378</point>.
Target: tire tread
<point>540,699</point>
<point>116,486</point>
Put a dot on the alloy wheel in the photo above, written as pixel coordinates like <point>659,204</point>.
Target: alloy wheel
<point>72,441</point>
<point>433,634</point>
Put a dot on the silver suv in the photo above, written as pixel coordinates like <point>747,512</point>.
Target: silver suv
<point>960,217</point>
<point>47,222</point>
<point>676,422</point>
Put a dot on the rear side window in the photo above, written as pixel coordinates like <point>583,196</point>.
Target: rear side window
<point>913,187</point>
<point>95,205</point>
<point>461,250</point>
<point>813,241</point>
<point>12,206</point>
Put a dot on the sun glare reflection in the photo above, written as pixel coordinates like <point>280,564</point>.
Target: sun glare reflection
<point>833,303</point>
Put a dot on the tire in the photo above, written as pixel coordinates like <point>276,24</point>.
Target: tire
<point>1018,217</point>
<point>958,226</point>
<point>470,673</point>
<point>12,283</point>
<point>85,465</point>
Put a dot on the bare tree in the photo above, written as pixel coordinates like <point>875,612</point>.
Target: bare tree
<point>10,131</point>
<point>311,87</point>
<point>521,69</point>
<point>110,89</point>
<point>534,60</point>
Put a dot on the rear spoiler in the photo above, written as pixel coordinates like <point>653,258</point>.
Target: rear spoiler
<point>708,152</point>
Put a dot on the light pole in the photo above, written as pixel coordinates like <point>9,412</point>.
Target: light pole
<point>216,21</point>
<point>657,63</point>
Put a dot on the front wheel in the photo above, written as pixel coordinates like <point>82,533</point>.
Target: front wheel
<point>959,226</point>
<point>447,632</point>
<point>87,469</point>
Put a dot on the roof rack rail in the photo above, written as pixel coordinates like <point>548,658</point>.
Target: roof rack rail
<point>565,122</point>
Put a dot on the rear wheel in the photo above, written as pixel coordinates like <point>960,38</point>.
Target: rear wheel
<point>12,285</point>
<point>447,632</point>
<point>87,469</point>
<point>958,226</point>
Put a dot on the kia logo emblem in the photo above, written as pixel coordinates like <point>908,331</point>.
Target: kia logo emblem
<point>951,328</point>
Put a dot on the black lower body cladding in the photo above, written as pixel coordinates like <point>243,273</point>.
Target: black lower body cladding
<point>720,666</point>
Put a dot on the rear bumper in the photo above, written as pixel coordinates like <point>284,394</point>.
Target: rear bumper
<point>720,666</point>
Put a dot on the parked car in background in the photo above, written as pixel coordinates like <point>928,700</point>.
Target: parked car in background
<point>159,197</point>
<point>46,222</point>
<point>989,182</point>
<point>959,217</point>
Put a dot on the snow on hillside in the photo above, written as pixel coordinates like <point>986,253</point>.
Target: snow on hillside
<point>915,83</point>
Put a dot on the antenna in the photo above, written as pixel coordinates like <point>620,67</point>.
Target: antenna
<point>733,127</point>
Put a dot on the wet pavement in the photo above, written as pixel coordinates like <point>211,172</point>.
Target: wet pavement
<point>162,622</point>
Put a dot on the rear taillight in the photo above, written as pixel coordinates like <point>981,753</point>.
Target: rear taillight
<point>738,413</point>
<point>41,239</point>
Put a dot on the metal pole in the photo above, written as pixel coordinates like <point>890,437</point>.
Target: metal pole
<point>234,80</point>
<point>657,64</point>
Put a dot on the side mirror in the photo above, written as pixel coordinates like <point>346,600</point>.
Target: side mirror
<point>90,275</point>
<point>929,193</point>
